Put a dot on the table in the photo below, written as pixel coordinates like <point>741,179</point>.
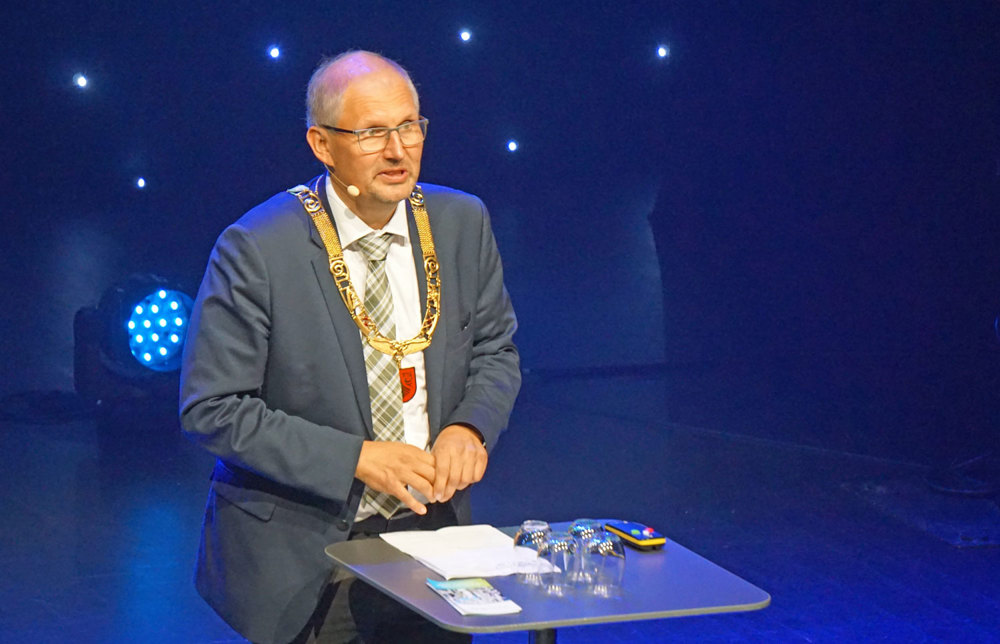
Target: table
<point>671,582</point>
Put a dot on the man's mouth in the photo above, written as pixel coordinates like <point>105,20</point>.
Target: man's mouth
<point>394,175</point>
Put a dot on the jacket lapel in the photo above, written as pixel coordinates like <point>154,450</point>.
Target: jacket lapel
<point>348,335</point>
<point>434,354</point>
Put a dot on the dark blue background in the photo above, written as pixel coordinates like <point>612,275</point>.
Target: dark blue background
<point>803,196</point>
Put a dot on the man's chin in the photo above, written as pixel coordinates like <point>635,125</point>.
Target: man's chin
<point>393,193</point>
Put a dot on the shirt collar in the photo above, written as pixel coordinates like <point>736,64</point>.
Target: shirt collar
<point>350,227</point>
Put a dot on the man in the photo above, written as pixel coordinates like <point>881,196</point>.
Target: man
<point>333,422</point>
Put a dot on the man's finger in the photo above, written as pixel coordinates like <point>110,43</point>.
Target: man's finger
<point>410,501</point>
<point>456,467</point>
<point>424,468</point>
<point>421,484</point>
<point>442,465</point>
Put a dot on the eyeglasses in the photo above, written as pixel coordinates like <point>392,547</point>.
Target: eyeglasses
<point>374,139</point>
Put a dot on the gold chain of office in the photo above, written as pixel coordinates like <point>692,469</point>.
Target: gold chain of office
<point>342,277</point>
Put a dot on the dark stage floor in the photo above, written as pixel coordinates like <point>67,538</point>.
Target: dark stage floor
<point>101,527</point>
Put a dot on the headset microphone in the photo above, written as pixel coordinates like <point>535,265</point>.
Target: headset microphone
<point>351,189</point>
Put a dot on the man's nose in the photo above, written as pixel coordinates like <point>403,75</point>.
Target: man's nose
<point>394,146</point>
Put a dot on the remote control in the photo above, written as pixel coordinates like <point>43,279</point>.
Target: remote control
<point>636,535</point>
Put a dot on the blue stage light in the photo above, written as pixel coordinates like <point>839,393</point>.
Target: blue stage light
<point>663,51</point>
<point>274,52</point>
<point>512,145</point>
<point>140,183</point>
<point>156,351</point>
<point>80,81</point>
<point>465,35</point>
<point>123,350</point>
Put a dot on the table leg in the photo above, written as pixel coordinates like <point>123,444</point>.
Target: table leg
<point>545,636</point>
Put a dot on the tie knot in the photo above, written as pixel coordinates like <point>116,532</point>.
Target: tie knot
<point>375,246</point>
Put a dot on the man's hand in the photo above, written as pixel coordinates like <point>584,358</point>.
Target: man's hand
<point>390,466</point>
<point>459,461</point>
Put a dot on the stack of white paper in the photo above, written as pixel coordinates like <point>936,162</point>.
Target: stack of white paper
<point>467,551</point>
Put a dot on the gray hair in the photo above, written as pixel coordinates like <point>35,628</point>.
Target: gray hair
<point>324,100</point>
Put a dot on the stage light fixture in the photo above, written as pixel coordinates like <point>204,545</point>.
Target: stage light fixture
<point>132,341</point>
<point>663,51</point>
<point>159,351</point>
<point>140,183</point>
<point>80,81</point>
<point>512,145</point>
<point>274,52</point>
<point>465,35</point>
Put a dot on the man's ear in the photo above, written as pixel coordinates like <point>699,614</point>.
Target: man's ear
<point>317,139</point>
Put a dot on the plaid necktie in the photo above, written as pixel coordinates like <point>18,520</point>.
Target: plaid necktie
<point>383,374</point>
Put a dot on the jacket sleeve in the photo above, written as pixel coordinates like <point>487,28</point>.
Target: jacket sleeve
<point>222,407</point>
<point>494,370</point>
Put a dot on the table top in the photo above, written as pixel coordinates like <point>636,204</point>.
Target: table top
<point>671,582</point>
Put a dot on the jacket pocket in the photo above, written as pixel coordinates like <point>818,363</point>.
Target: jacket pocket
<point>254,502</point>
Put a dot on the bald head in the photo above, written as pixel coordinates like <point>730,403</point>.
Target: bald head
<point>325,93</point>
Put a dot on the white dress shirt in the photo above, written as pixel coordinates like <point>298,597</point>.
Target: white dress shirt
<point>406,307</point>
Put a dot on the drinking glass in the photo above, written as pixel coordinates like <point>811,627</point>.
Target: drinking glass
<point>531,534</point>
<point>559,551</point>
<point>605,557</point>
<point>581,571</point>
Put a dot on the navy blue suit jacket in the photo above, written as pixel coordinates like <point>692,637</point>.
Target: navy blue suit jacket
<point>273,384</point>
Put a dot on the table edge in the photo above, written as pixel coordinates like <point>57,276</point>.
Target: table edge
<point>585,621</point>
